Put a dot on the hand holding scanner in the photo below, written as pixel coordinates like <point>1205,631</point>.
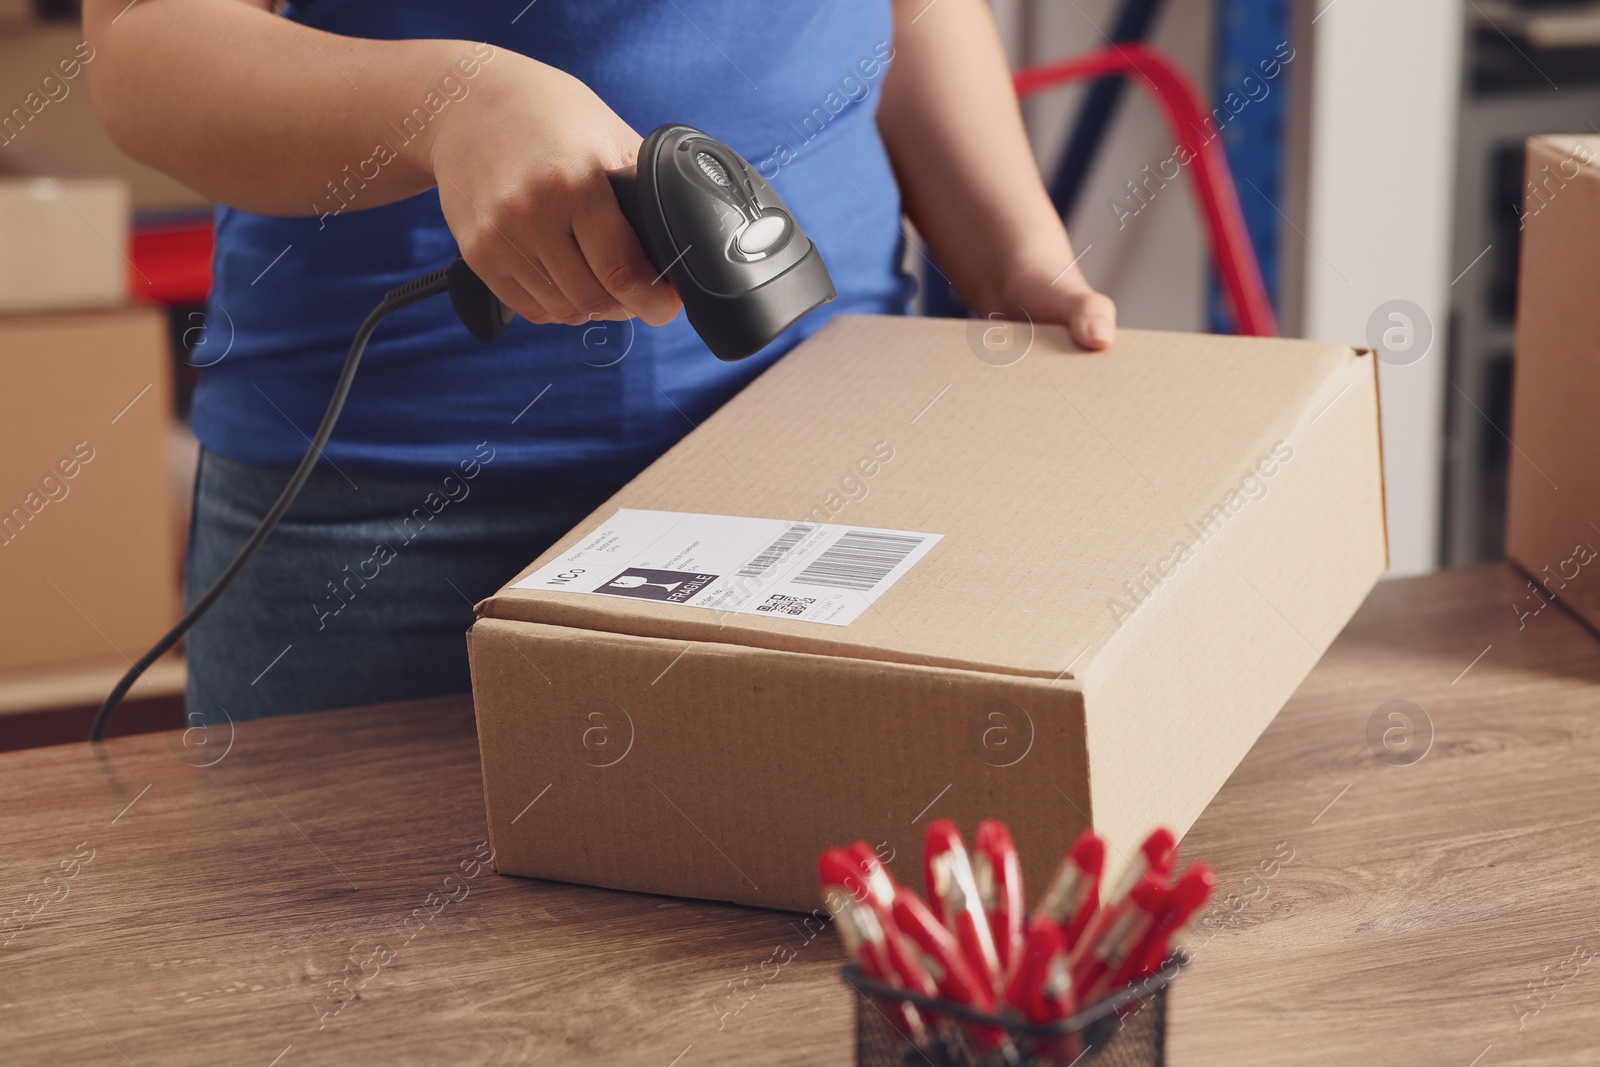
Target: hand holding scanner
<point>708,221</point>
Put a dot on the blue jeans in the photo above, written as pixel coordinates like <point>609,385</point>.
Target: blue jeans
<point>365,590</point>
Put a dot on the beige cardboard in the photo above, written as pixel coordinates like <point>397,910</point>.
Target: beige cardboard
<point>1553,492</point>
<point>1035,666</point>
<point>66,243</point>
<point>87,559</point>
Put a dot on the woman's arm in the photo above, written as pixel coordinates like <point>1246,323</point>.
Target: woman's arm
<point>950,121</point>
<point>257,112</point>
<point>266,115</point>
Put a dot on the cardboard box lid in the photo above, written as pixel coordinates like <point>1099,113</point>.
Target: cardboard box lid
<point>1054,479</point>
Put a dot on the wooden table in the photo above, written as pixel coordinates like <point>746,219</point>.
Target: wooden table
<point>312,894</point>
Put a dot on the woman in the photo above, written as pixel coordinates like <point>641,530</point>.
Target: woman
<point>357,145</point>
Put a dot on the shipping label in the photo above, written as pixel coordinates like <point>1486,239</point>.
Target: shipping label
<point>806,571</point>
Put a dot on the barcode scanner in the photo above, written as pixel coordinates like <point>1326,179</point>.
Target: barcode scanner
<point>743,267</point>
<point>707,220</point>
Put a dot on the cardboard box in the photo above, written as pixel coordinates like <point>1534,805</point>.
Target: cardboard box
<point>66,243</point>
<point>87,541</point>
<point>1141,554</point>
<point>1553,490</point>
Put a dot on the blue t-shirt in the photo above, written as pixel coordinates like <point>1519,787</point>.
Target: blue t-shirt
<point>792,87</point>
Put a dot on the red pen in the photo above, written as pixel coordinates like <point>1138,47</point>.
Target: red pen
<point>1093,969</point>
<point>1074,894</point>
<point>1184,900</point>
<point>1156,858</point>
<point>1042,986</point>
<point>944,960</point>
<point>880,887</point>
<point>1060,993</point>
<point>867,941</point>
<point>953,894</point>
<point>905,963</point>
<point>1025,991</point>
<point>874,875</point>
<point>1153,862</point>
<point>880,891</point>
<point>998,872</point>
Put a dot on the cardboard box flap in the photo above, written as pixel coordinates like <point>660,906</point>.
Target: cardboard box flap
<point>1053,476</point>
<point>1570,154</point>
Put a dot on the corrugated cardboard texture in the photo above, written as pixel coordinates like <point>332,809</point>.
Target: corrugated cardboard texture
<point>736,767</point>
<point>87,561</point>
<point>1186,686</point>
<point>1553,504</point>
<point>1144,553</point>
<point>1024,468</point>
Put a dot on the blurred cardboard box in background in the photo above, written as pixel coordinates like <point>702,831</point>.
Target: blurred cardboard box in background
<point>1553,491</point>
<point>91,574</point>
<point>957,571</point>
<point>88,545</point>
<point>63,243</point>
<point>16,16</point>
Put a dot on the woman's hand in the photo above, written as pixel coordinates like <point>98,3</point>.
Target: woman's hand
<point>521,168</point>
<point>1040,290</point>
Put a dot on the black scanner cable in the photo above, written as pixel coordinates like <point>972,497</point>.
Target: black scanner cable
<point>481,313</point>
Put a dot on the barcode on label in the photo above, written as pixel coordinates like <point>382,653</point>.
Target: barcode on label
<point>859,560</point>
<point>775,551</point>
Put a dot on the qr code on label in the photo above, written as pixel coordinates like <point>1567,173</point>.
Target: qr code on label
<point>787,605</point>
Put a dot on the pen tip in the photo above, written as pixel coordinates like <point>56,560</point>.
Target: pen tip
<point>1089,854</point>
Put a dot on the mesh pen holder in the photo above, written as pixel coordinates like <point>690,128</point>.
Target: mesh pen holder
<point>1128,1028</point>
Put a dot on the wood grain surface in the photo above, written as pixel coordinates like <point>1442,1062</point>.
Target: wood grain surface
<point>1437,910</point>
<point>310,890</point>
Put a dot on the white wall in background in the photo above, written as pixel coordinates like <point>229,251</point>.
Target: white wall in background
<point>1379,170</point>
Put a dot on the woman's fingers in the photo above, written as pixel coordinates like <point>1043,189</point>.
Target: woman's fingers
<point>518,293</point>
<point>1092,318</point>
<point>1044,292</point>
<point>574,265</point>
<point>617,260</point>
<point>586,300</point>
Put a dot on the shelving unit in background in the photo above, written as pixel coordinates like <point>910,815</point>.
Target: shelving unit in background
<point>1248,33</point>
<point>1513,88</point>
